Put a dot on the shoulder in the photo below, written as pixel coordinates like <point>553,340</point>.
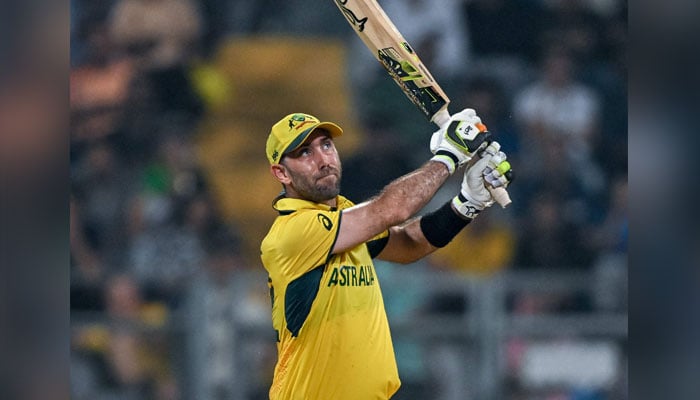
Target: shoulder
<point>302,228</point>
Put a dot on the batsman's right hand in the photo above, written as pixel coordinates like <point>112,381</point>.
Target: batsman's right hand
<point>456,142</point>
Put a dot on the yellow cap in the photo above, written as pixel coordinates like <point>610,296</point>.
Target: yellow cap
<point>291,131</point>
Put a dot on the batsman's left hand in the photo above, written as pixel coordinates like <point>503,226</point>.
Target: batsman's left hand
<point>456,142</point>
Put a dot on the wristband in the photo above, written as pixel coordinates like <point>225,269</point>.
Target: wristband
<point>447,158</point>
<point>442,225</point>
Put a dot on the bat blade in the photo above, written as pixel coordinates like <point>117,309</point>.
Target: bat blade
<point>389,47</point>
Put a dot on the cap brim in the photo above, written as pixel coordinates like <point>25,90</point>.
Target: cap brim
<point>332,128</point>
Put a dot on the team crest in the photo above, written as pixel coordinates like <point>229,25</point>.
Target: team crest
<point>299,120</point>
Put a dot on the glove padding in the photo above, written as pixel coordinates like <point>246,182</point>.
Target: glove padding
<point>456,142</point>
<point>492,169</point>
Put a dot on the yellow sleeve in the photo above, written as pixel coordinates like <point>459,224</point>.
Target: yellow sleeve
<point>307,240</point>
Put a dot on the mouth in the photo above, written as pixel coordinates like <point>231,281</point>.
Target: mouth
<point>327,173</point>
<point>326,176</point>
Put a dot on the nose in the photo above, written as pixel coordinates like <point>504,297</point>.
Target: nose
<point>325,158</point>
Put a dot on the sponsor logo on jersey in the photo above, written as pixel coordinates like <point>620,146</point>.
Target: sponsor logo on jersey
<point>325,221</point>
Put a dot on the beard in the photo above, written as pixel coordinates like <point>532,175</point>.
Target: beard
<point>324,185</point>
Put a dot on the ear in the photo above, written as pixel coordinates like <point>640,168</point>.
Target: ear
<point>279,171</point>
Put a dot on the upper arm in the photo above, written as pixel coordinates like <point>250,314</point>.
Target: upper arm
<point>406,244</point>
<point>362,222</point>
<point>402,243</point>
<point>358,226</point>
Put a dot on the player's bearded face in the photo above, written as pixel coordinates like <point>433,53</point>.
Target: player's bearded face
<point>319,186</point>
<point>314,169</point>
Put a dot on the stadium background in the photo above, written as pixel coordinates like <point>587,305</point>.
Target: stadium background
<point>171,102</point>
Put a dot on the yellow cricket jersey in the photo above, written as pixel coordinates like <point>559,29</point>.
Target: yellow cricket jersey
<point>333,338</point>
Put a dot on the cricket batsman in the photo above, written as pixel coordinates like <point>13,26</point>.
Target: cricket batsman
<point>333,338</point>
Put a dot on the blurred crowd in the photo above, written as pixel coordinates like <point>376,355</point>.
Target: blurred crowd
<point>148,239</point>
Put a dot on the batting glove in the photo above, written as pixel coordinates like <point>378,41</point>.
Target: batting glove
<point>493,170</point>
<point>456,142</point>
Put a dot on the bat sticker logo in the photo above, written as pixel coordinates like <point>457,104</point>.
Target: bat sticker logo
<point>406,76</point>
<point>466,131</point>
<point>351,17</point>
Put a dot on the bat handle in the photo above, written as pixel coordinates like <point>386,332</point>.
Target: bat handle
<point>499,194</point>
<point>441,117</point>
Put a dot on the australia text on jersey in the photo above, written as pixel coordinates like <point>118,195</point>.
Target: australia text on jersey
<point>350,275</point>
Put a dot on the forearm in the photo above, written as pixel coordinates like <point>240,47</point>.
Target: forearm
<point>405,196</point>
<point>396,203</point>
<point>437,228</point>
<point>423,235</point>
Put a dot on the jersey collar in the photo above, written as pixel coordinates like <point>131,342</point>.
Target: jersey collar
<point>286,206</point>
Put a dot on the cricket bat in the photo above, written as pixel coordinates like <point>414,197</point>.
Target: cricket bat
<point>389,47</point>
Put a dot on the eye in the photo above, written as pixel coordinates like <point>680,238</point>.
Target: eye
<point>305,151</point>
<point>327,145</point>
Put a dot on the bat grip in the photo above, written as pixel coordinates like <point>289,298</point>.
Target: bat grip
<point>441,117</point>
<point>499,194</point>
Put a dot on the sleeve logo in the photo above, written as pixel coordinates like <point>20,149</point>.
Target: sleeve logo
<point>325,221</point>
